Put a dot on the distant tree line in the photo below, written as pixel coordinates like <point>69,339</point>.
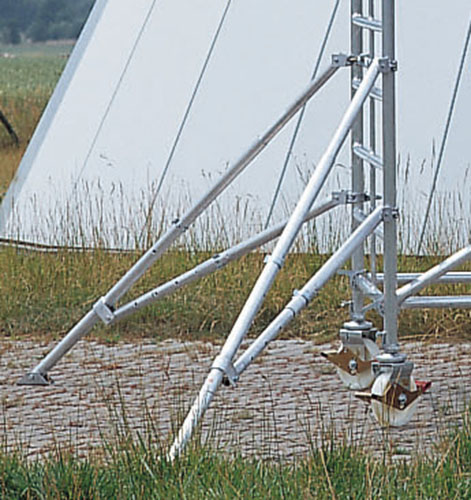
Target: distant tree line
<point>41,20</point>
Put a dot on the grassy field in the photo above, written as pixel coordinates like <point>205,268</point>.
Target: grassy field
<point>44,294</point>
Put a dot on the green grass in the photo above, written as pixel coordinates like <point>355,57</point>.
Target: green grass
<point>137,469</point>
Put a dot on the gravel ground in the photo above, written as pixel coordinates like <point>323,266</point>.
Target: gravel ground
<point>284,404</point>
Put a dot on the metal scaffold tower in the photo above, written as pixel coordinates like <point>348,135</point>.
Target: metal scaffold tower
<point>369,358</point>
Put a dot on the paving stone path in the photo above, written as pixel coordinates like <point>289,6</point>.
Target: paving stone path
<point>284,404</point>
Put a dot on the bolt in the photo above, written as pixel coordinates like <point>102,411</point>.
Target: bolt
<point>353,366</point>
<point>402,399</point>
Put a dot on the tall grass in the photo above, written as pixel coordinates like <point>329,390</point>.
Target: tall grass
<point>134,469</point>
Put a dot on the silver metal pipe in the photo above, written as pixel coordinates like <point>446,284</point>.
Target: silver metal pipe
<point>213,264</point>
<point>367,155</point>
<point>448,278</point>
<point>389,177</point>
<point>367,23</point>
<point>357,172</point>
<point>440,302</point>
<point>304,296</point>
<point>372,144</point>
<point>360,216</point>
<point>77,332</point>
<point>433,274</point>
<point>368,287</point>
<point>180,226</point>
<point>223,362</point>
<point>376,93</point>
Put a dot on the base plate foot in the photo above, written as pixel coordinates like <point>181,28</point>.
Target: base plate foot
<point>35,379</point>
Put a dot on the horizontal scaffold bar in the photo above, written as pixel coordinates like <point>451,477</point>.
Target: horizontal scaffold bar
<point>438,302</point>
<point>448,278</point>
<point>367,22</point>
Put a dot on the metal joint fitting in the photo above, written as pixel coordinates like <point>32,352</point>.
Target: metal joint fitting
<point>357,198</point>
<point>387,65</point>
<point>297,293</point>
<point>340,196</point>
<point>104,311</point>
<point>225,365</point>
<point>342,60</point>
<point>278,262</point>
<point>354,277</point>
<point>390,213</point>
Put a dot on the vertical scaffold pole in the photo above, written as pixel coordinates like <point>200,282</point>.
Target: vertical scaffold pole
<point>389,178</point>
<point>357,182</point>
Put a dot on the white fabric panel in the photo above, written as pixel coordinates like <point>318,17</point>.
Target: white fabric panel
<point>98,156</point>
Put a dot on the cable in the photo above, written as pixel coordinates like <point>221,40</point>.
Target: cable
<point>301,115</point>
<point>186,114</point>
<point>445,135</point>
<point>115,92</point>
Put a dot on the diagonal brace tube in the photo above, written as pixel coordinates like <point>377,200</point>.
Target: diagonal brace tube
<point>302,297</point>
<point>223,363</point>
<point>213,264</point>
<point>433,274</point>
<point>178,228</point>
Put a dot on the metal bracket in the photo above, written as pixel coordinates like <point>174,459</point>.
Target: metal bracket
<point>347,361</point>
<point>387,65</point>
<point>37,379</point>
<point>177,223</point>
<point>347,197</point>
<point>104,311</point>
<point>390,213</point>
<point>342,60</point>
<point>396,364</point>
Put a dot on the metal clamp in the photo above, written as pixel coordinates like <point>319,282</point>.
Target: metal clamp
<point>390,213</point>
<point>347,197</point>
<point>297,293</point>
<point>342,60</point>
<point>353,198</point>
<point>104,311</point>
<point>225,365</point>
<point>177,223</point>
<point>278,262</point>
<point>387,65</point>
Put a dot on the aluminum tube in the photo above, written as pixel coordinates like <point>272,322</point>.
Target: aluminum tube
<point>389,179</point>
<point>372,144</point>
<point>276,260</point>
<point>141,266</point>
<point>367,23</point>
<point>196,413</point>
<point>302,298</point>
<point>376,92</point>
<point>223,362</point>
<point>357,172</point>
<point>361,216</point>
<point>212,264</point>
<point>441,302</point>
<point>448,278</point>
<point>368,156</point>
<point>433,274</point>
<point>66,344</point>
